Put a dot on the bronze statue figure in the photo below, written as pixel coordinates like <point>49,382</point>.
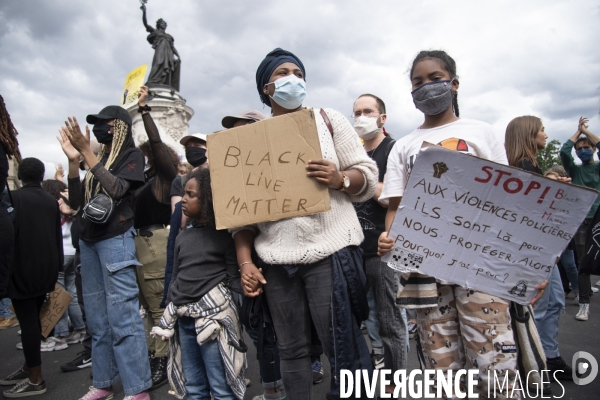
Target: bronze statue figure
<point>165,67</point>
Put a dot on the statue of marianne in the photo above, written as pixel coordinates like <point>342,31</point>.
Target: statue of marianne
<point>165,67</point>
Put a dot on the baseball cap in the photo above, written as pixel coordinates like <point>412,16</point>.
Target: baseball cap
<point>250,115</point>
<point>187,138</point>
<point>110,112</point>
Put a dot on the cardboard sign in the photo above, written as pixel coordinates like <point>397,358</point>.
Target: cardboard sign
<point>483,225</point>
<point>258,171</point>
<point>135,79</point>
<point>53,308</point>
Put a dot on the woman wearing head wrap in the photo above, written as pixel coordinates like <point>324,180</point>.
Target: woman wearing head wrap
<point>300,257</point>
<point>108,262</point>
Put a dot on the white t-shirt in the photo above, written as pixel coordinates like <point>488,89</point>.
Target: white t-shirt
<point>68,248</point>
<point>465,135</point>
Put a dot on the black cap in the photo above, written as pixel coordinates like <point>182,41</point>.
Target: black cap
<point>110,112</point>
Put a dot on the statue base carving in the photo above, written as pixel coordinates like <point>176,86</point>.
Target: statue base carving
<point>170,113</point>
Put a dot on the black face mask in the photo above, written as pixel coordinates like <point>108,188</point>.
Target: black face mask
<point>101,133</point>
<point>195,156</point>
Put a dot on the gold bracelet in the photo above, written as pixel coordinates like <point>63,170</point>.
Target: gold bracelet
<point>245,262</point>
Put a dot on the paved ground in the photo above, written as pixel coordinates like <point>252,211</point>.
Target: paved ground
<point>574,336</point>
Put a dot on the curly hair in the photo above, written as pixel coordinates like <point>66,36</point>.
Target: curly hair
<point>207,212</point>
<point>146,148</point>
<point>31,170</point>
<point>557,170</point>
<point>8,133</point>
<point>55,188</point>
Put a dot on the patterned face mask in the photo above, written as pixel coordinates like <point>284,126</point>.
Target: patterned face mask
<point>433,98</point>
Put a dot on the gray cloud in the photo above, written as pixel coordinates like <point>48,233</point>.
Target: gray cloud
<point>67,57</point>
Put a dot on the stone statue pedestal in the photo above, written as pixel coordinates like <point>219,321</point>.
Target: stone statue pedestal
<point>170,113</point>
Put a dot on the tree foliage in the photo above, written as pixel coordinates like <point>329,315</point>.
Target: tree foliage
<point>549,156</point>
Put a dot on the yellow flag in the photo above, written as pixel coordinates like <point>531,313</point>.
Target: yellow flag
<point>134,80</point>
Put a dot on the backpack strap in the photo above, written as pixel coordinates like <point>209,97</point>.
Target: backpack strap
<point>327,122</point>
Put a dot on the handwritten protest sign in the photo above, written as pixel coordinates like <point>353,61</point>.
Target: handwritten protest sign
<point>134,80</point>
<point>483,225</point>
<point>53,308</point>
<point>258,171</point>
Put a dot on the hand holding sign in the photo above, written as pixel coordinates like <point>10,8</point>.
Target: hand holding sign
<point>483,225</point>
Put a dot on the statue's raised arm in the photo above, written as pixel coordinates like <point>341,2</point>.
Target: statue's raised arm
<point>144,20</point>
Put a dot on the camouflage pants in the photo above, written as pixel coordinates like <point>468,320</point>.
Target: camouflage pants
<point>470,329</point>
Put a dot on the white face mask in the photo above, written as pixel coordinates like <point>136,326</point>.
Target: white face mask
<point>366,127</point>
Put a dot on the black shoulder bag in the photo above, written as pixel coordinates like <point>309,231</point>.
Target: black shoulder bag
<point>99,209</point>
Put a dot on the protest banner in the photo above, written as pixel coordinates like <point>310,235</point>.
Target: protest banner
<point>483,225</point>
<point>53,308</point>
<point>258,171</point>
<point>134,80</point>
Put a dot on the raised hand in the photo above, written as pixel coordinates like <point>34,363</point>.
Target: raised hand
<point>70,151</point>
<point>80,141</point>
<point>142,96</point>
<point>583,125</point>
<point>60,173</point>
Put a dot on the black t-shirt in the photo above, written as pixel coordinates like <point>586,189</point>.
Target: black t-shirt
<point>148,210</point>
<point>528,166</point>
<point>177,186</point>
<point>370,213</point>
<point>130,167</point>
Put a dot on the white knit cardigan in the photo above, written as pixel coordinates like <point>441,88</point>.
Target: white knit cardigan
<point>308,239</point>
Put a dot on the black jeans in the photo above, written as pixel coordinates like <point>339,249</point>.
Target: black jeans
<point>294,303</point>
<point>392,328</point>
<point>28,314</point>
<point>585,283</point>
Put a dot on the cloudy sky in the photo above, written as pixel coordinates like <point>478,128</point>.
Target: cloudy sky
<point>70,57</point>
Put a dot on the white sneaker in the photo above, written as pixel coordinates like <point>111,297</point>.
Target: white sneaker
<point>597,283</point>
<point>584,311</point>
<point>76,337</point>
<point>595,289</point>
<point>53,344</point>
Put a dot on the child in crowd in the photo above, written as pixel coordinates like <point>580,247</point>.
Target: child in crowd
<point>448,313</point>
<point>208,349</point>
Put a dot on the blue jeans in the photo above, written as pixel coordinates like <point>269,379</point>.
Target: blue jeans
<point>372,324</point>
<point>202,365</point>
<point>567,259</point>
<point>111,296</point>
<point>66,280</point>
<point>4,311</point>
<point>547,312</point>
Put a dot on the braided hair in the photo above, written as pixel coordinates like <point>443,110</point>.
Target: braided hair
<point>447,63</point>
<point>8,133</point>
<point>122,140</point>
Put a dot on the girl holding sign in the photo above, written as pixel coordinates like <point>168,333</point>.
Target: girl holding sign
<point>469,322</point>
<point>301,256</point>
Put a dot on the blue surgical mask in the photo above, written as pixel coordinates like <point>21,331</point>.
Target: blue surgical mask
<point>290,91</point>
<point>585,155</point>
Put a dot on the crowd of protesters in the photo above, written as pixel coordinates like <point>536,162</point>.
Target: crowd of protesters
<point>135,226</point>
